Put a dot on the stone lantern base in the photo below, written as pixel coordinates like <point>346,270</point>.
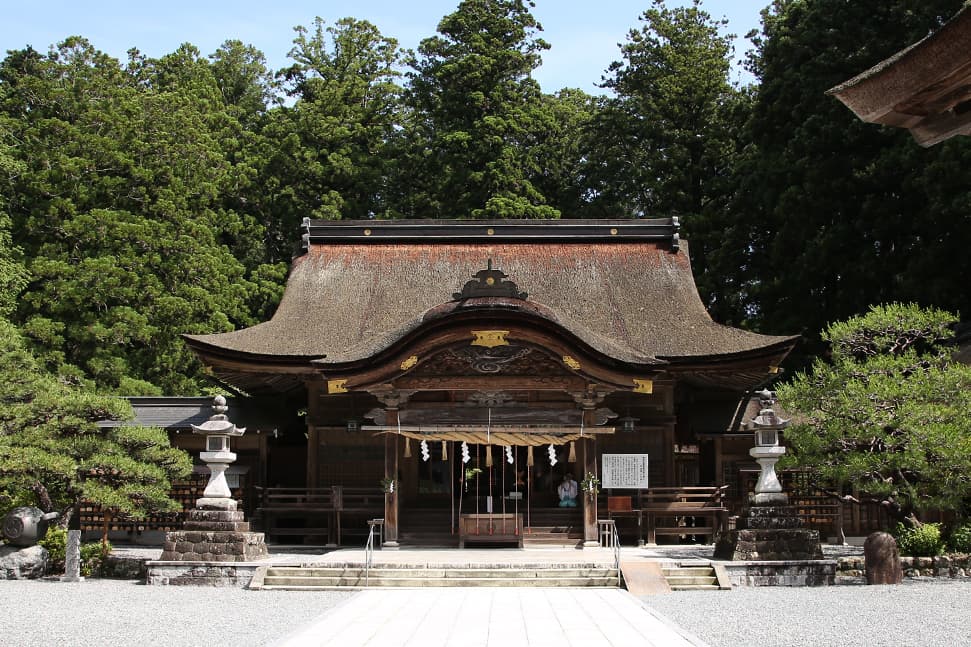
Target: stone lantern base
<point>214,535</point>
<point>769,533</point>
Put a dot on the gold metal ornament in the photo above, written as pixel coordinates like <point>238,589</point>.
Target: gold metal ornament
<point>490,338</point>
<point>409,363</point>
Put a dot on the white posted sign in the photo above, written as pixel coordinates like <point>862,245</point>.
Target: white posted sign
<point>625,471</point>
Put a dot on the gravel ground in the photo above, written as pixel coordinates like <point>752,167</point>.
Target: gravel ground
<point>109,612</point>
<point>921,614</point>
<point>97,613</point>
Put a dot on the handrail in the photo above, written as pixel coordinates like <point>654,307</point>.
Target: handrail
<point>616,542</point>
<point>369,546</point>
<point>610,538</point>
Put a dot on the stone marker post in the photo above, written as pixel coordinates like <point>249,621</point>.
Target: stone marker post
<point>72,553</point>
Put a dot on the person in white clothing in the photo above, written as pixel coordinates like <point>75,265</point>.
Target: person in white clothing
<point>568,492</point>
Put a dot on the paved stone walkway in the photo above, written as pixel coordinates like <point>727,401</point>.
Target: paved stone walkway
<point>468,617</point>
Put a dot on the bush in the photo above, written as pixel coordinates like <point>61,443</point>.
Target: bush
<point>55,541</point>
<point>93,554</point>
<point>920,541</point>
<point>960,541</point>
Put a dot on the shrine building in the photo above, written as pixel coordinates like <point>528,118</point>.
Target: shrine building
<point>447,373</point>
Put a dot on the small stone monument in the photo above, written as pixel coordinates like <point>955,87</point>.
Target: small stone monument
<point>882,559</point>
<point>215,530</point>
<point>769,529</point>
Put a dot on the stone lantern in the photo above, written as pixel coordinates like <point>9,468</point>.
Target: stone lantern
<point>214,531</point>
<point>217,456</point>
<point>770,531</point>
<point>767,452</point>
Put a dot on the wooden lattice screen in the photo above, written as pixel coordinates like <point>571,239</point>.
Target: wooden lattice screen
<point>185,491</point>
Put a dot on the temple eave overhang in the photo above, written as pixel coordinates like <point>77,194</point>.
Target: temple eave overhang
<point>925,88</point>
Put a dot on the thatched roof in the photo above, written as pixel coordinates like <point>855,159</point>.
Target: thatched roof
<point>925,88</point>
<point>629,295</point>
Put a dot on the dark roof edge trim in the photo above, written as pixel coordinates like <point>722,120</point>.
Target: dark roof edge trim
<point>786,344</point>
<point>199,346</point>
<point>665,230</point>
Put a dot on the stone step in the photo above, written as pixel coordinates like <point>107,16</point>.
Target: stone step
<point>565,542</point>
<point>688,571</point>
<point>690,580</point>
<point>512,572</point>
<point>691,577</point>
<point>307,583</point>
<point>311,578</point>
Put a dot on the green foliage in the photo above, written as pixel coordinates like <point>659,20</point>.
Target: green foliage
<point>835,212</point>
<point>959,540</point>
<point>93,554</point>
<point>889,414</point>
<point>330,155</point>
<point>120,210</point>
<point>473,112</point>
<point>663,139</point>
<point>51,444</point>
<point>923,540</point>
<point>55,542</point>
<point>590,484</point>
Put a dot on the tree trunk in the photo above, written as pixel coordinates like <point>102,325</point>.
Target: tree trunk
<point>43,497</point>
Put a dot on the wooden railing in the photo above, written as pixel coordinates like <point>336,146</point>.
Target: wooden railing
<point>687,511</point>
<point>673,511</point>
<point>315,512</point>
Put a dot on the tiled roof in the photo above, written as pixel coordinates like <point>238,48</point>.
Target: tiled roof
<point>632,297</point>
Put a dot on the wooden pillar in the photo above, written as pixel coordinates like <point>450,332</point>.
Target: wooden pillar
<point>669,466</point>
<point>719,445</point>
<point>314,389</point>
<point>313,446</point>
<point>588,459</point>
<point>391,474</point>
<point>264,460</point>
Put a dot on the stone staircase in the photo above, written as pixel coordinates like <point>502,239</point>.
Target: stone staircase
<point>310,578</point>
<point>694,576</point>
<point>551,528</point>
<point>554,527</point>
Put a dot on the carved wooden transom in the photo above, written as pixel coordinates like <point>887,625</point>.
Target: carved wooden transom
<point>509,360</point>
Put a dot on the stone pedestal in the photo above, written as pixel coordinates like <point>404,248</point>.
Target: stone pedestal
<point>769,533</point>
<point>219,535</point>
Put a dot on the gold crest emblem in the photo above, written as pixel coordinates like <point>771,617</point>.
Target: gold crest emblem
<point>490,338</point>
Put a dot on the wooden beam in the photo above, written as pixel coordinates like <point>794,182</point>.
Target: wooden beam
<point>588,456</point>
<point>391,498</point>
<point>313,447</point>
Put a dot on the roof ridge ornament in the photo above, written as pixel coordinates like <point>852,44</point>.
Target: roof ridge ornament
<point>490,283</point>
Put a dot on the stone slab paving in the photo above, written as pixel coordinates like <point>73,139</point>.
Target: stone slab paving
<point>490,618</point>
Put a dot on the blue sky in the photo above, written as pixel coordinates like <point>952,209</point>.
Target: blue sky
<point>584,34</point>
